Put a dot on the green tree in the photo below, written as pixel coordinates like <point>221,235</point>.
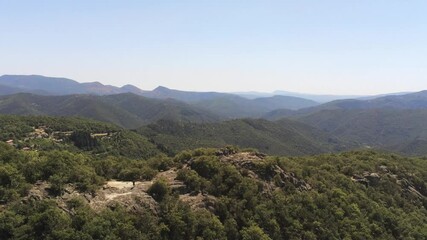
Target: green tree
<point>254,233</point>
<point>159,190</point>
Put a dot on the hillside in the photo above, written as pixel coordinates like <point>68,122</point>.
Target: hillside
<point>397,130</point>
<point>38,133</point>
<point>222,104</point>
<point>5,90</point>
<point>239,107</point>
<point>59,86</point>
<point>185,96</point>
<point>151,110</point>
<point>417,100</point>
<point>126,110</point>
<point>211,194</point>
<point>279,114</point>
<point>283,137</point>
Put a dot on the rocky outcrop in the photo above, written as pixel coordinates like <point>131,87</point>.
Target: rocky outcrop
<point>131,196</point>
<point>113,193</point>
<point>199,201</point>
<point>367,178</point>
<point>408,188</point>
<point>249,160</point>
<point>170,177</point>
<point>290,178</point>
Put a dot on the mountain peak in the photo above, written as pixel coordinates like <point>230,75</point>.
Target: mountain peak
<point>97,84</point>
<point>161,89</point>
<point>132,89</point>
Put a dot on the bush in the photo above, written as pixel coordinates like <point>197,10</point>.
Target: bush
<point>159,190</point>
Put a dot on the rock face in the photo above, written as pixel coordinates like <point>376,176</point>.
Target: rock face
<point>199,201</point>
<point>249,160</point>
<point>373,178</point>
<point>289,178</point>
<point>408,188</point>
<point>367,178</point>
<point>243,159</point>
<point>38,192</point>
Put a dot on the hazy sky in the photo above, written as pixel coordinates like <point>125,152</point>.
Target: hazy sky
<point>318,46</point>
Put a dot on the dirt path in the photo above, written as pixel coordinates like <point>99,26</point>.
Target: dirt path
<point>112,196</point>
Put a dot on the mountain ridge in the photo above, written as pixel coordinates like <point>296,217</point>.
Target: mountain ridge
<point>126,109</point>
<point>282,137</point>
<point>60,86</point>
<point>417,100</point>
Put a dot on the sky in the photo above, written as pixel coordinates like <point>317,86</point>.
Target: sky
<point>335,47</point>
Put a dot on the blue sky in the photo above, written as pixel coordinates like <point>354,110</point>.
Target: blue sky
<point>339,47</point>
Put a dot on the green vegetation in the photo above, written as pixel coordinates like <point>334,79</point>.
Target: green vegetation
<point>126,110</point>
<point>73,134</point>
<point>284,137</point>
<point>232,106</point>
<point>206,193</point>
<point>402,131</point>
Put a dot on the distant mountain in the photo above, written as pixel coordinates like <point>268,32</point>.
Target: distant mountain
<point>58,86</point>
<point>132,89</point>
<point>253,94</point>
<point>282,137</point>
<point>98,88</point>
<point>224,104</point>
<point>279,114</point>
<point>400,130</point>
<point>321,98</point>
<point>231,106</point>
<point>238,107</point>
<point>6,90</point>
<point>280,102</point>
<point>126,110</point>
<point>416,100</point>
<point>185,96</point>
<point>383,95</point>
<point>36,83</point>
<point>151,110</point>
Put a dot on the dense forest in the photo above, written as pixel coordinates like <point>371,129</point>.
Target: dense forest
<point>283,137</point>
<point>72,178</point>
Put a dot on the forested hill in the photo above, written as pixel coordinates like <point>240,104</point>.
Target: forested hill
<point>37,133</point>
<point>281,137</point>
<point>211,194</point>
<point>398,130</point>
<point>126,110</point>
<point>417,100</point>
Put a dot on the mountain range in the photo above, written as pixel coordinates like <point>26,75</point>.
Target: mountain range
<point>225,106</point>
<point>417,100</point>
<point>126,109</point>
<point>177,119</point>
<point>58,86</point>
